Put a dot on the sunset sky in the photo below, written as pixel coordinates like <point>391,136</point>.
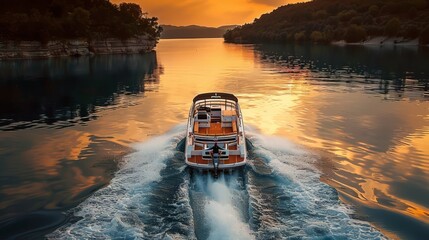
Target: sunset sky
<point>212,13</point>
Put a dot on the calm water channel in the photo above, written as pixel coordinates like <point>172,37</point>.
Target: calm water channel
<point>338,139</point>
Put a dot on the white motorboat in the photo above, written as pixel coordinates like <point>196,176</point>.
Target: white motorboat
<point>215,119</point>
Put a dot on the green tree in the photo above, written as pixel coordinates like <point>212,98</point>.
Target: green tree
<point>370,18</point>
<point>79,21</point>
<point>300,36</point>
<point>411,31</point>
<point>317,37</point>
<point>321,14</point>
<point>374,10</point>
<point>45,20</point>
<point>418,3</point>
<point>374,30</point>
<point>131,10</point>
<point>392,27</point>
<point>37,28</point>
<point>346,15</point>
<point>424,36</point>
<point>354,34</point>
<point>328,33</point>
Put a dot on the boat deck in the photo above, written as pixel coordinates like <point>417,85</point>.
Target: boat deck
<point>215,129</point>
<point>216,118</point>
<point>230,160</point>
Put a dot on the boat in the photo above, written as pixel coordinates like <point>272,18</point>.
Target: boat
<point>215,119</point>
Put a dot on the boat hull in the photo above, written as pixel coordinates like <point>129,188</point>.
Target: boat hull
<point>215,119</point>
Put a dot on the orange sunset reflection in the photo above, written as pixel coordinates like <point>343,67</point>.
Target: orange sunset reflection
<point>373,150</point>
<point>296,109</point>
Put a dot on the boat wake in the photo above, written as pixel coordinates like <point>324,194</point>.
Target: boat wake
<point>147,198</point>
<point>220,206</point>
<point>153,196</point>
<point>288,200</point>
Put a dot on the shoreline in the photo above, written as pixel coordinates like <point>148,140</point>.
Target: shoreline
<point>12,50</point>
<point>371,42</point>
<point>382,41</point>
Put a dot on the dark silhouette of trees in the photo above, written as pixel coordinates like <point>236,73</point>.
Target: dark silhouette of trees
<point>354,34</point>
<point>78,22</point>
<point>333,20</point>
<point>411,31</point>
<point>424,36</point>
<point>45,20</point>
<point>317,37</point>
<point>393,27</point>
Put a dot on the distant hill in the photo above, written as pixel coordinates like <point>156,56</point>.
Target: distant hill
<point>325,21</point>
<point>194,31</point>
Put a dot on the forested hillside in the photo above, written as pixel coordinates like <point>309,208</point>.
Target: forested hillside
<point>44,20</point>
<point>194,31</point>
<point>325,21</point>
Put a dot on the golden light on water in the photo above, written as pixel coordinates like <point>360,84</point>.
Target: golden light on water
<point>296,110</point>
<point>48,150</point>
<point>373,150</point>
<point>275,105</point>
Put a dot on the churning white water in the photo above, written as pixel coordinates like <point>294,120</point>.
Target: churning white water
<point>153,196</point>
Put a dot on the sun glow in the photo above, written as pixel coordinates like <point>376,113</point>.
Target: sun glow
<point>207,13</point>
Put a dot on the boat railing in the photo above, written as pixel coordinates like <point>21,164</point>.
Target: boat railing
<point>222,102</point>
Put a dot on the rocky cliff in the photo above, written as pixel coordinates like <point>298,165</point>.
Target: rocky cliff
<point>32,49</point>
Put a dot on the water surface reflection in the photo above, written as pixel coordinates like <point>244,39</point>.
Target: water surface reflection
<point>368,108</point>
<point>364,109</point>
<point>66,91</point>
<point>52,157</point>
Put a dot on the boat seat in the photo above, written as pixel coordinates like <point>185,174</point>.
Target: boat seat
<point>234,126</point>
<point>196,127</point>
<point>203,119</point>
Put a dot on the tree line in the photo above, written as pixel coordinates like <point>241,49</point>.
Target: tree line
<point>45,20</point>
<point>324,21</point>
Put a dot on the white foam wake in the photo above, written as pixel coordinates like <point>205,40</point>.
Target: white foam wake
<point>223,208</point>
<point>151,197</point>
<point>121,210</point>
<point>297,204</point>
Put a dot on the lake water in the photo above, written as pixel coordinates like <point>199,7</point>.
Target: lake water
<point>338,139</point>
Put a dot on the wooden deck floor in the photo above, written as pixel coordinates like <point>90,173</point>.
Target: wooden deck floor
<point>215,129</point>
